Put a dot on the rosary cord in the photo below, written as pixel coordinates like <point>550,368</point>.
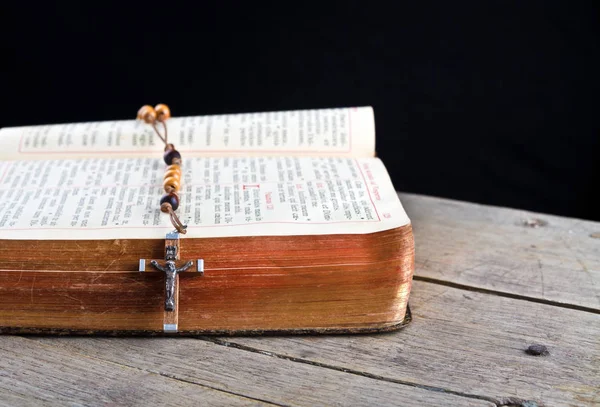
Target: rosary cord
<point>181,228</point>
<point>163,139</point>
<point>166,140</point>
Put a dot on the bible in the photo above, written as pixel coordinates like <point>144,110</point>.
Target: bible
<point>294,226</point>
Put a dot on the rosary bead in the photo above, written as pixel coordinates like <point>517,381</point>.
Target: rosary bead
<point>173,173</point>
<point>176,167</point>
<point>171,199</point>
<point>162,112</point>
<point>171,155</point>
<point>147,114</point>
<point>171,184</point>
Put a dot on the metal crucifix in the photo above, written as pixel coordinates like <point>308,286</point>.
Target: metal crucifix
<point>172,267</point>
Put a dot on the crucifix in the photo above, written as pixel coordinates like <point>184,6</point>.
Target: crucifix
<point>172,266</point>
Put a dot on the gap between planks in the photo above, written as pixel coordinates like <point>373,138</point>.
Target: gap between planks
<point>484,401</point>
<point>498,398</point>
<point>179,379</point>
<point>225,343</point>
<point>532,254</point>
<point>368,375</point>
<point>505,294</point>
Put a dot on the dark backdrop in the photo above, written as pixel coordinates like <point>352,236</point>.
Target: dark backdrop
<point>493,102</point>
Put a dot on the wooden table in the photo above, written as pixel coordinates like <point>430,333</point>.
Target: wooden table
<point>489,283</point>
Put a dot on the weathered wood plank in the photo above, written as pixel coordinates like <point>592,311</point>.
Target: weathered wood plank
<point>256,375</point>
<point>35,374</point>
<point>515,251</point>
<point>469,343</point>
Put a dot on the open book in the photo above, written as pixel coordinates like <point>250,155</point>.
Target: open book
<point>297,222</point>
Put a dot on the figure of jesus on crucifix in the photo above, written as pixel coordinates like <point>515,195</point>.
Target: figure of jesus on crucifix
<point>171,272</point>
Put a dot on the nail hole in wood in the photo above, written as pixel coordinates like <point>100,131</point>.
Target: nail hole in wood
<point>537,350</point>
<point>534,223</point>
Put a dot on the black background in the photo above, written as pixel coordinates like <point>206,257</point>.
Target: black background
<point>492,102</point>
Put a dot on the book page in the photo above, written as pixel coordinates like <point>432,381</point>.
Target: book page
<point>348,132</point>
<point>118,198</point>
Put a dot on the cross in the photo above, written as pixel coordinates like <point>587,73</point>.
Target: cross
<point>172,267</point>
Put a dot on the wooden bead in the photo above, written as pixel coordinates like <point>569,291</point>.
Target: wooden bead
<point>162,112</point>
<point>173,167</point>
<point>174,174</point>
<point>171,199</point>
<point>171,155</point>
<point>171,184</point>
<point>147,114</point>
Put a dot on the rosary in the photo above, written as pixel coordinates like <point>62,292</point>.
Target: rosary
<point>172,264</point>
<point>172,179</point>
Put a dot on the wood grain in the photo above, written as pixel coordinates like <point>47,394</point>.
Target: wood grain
<point>515,251</point>
<point>34,374</point>
<point>256,375</point>
<point>315,283</point>
<point>468,343</point>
